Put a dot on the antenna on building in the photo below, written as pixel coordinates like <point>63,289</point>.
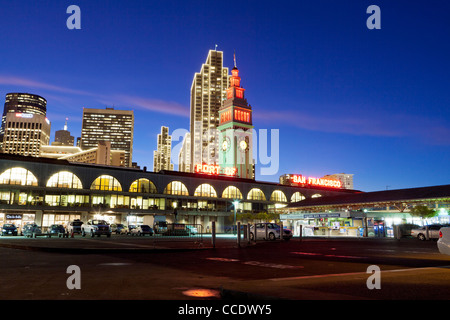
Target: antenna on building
<point>215,47</point>
<point>65,124</point>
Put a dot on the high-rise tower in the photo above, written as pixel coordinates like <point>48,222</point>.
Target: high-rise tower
<point>116,126</point>
<point>27,103</point>
<point>161,156</point>
<point>236,129</point>
<point>208,91</point>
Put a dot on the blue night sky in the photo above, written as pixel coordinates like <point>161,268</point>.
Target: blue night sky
<point>374,103</point>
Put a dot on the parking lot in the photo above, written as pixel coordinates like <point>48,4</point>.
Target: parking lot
<point>130,267</point>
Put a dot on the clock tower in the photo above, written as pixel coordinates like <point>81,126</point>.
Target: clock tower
<point>235,129</point>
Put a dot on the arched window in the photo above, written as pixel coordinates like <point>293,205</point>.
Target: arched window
<point>176,188</point>
<point>64,179</point>
<point>316,195</point>
<point>205,190</point>
<point>143,186</point>
<point>232,192</point>
<point>278,196</point>
<point>256,194</point>
<point>297,196</point>
<point>18,176</point>
<point>106,183</point>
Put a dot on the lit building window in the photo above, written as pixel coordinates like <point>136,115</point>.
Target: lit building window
<point>205,190</point>
<point>176,188</point>
<point>106,183</point>
<point>297,196</point>
<point>64,179</point>
<point>143,186</point>
<point>18,176</point>
<point>232,192</point>
<point>256,194</point>
<point>278,196</point>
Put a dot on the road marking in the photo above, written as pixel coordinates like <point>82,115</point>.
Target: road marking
<point>257,263</point>
<point>355,273</point>
<point>223,259</point>
<point>271,265</point>
<point>327,255</point>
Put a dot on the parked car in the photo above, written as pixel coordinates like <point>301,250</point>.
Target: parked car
<point>405,229</point>
<point>433,232</point>
<point>160,227</point>
<point>119,228</point>
<point>32,230</point>
<point>96,228</point>
<point>191,230</point>
<point>74,226</point>
<point>9,229</point>
<point>56,230</point>
<point>131,227</point>
<point>142,230</point>
<point>444,240</point>
<point>273,232</point>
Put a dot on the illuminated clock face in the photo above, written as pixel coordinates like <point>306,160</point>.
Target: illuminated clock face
<point>243,145</point>
<point>225,144</point>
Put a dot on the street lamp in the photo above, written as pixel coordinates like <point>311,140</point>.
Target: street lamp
<point>235,203</point>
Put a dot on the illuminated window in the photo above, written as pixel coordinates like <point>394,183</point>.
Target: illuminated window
<point>176,188</point>
<point>18,176</point>
<point>316,195</point>
<point>143,186</point>
<point>64,179</point>
<point>297,196</point>
<point>106,183</point>
<point>278,196</point>
<point>205,190</point>
<point>256,194</point>
<point>232,192</point>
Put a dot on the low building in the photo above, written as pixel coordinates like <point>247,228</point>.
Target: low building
<point>56,191</point>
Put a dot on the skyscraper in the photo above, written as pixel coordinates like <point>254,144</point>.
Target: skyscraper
<point>161,156</point>
<point>208,90</point>
<point>25,133</point>
<point>27,103</point>
<point>63,137</point>
<point>184,157</point>
<point>111,125</point>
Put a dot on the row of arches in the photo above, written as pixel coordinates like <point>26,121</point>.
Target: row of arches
<point>66,179</point>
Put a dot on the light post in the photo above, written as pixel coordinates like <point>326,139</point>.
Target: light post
<point>235,203</point>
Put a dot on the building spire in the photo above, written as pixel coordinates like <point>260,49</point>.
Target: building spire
<point>65,124</point>
<point>234,57</point>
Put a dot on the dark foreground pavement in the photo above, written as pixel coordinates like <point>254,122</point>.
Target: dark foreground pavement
<point>131,268</point>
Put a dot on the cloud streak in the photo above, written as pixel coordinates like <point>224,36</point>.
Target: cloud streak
<point>142,103</point>
<point>430,131</point>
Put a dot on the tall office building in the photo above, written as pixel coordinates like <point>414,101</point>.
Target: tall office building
<point>63,137</point>
<point>208,90</point>
<point>161,156</point>
<point>27,103</point>
<point>184,157</point>
<point>345,178</point>
<point>25,133</point>
<point>111,125</point>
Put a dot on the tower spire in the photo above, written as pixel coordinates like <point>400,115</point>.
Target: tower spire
<point>234,57</point>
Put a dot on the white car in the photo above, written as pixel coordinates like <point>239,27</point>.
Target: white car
<point>95,228</point>
<point>444,240</point>
<point>273,232</point>
<point>421,233</point>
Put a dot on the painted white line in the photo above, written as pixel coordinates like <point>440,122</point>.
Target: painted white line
<point>355,273</point>
<point>326,255</point>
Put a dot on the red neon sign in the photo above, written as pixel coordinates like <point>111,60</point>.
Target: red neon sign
<point>317,182</point>
<point>214,170</point>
